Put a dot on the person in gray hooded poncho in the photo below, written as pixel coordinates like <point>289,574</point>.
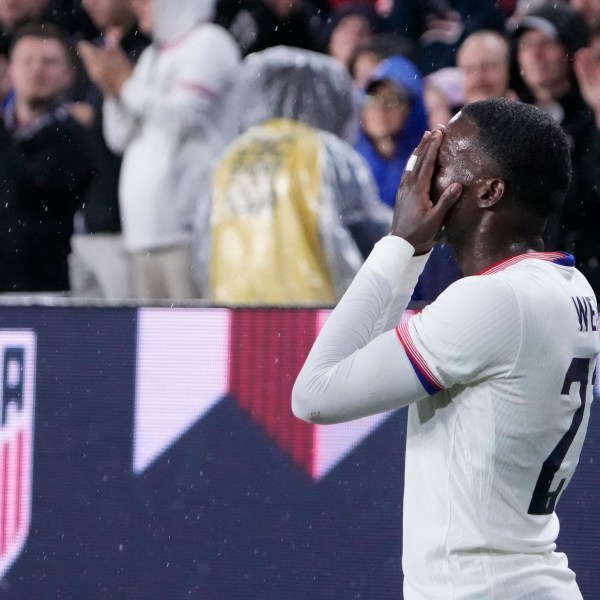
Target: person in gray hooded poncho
<point>293,209</point>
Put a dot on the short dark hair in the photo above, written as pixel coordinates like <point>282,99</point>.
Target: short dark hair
<point>44,31</point>
<point>530,149</point>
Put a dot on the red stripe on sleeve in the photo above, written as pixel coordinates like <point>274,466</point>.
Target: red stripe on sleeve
<point>417,360</point>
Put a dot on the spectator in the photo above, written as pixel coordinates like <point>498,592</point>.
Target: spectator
<point>260,24</point>
<point>587,70</point>
<point>437,105</point>
<point>439,26</point>
<point>594,45</point>
<point>590,11</point>
<point>15,14</point>
<point>44,162</point>
<point>294,209</point>
<point>166,117</point>
<point>351,25</point>
<point>393,120</point>
<point>547,40</point>
<point>444,95</point>
<point>522,8</point>
<point>67,14</point>
<point>369,54</point>
<point>484,59</point>
<point>98,265</point>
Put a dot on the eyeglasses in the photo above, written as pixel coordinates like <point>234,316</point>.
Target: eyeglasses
<point>386,101</point>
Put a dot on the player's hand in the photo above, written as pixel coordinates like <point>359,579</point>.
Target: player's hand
<point>416,218</point>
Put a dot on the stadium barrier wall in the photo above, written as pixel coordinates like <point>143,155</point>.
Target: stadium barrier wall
<point>150,453</point>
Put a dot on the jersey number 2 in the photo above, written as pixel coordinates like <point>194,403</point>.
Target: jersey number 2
<point>543,500</point>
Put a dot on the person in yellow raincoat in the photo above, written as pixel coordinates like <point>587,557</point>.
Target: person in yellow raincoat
<point>293,209</point>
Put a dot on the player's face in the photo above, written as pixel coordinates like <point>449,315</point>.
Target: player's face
<point>459,161</point>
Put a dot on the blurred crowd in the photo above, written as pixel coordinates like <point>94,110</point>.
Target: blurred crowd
<point>249,151</point>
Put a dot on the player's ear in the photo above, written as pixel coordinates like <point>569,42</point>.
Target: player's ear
<point>491,191</point>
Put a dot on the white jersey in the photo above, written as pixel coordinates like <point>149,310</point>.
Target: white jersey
<point>501,384</point>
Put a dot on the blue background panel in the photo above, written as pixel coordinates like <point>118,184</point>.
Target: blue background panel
<point>224,513</point>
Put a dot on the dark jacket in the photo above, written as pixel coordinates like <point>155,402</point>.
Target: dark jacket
<point>574,226</point>
<point>100,207</point>
<point>44,170</point>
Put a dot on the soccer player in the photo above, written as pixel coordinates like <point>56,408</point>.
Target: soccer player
<point>497,372</point>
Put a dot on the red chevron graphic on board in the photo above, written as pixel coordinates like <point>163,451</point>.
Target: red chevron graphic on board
<point>189,359</point>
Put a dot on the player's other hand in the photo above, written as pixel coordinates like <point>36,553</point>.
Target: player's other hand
<point>416,218</point>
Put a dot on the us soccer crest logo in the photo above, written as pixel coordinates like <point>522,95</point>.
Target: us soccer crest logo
<point>17,360</point>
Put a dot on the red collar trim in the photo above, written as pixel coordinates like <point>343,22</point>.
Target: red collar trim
<point>559,258</point>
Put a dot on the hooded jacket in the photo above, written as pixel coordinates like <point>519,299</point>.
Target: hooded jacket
<point>166,122</point>
<point>388,173</point>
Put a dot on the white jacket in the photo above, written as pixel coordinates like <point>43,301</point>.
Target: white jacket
<point>166,123</point>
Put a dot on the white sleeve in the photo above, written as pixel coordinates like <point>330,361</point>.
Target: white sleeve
<point>470,333</point>
<point>357,366</point>
<point>201,82</point>
<point>118,125</point>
